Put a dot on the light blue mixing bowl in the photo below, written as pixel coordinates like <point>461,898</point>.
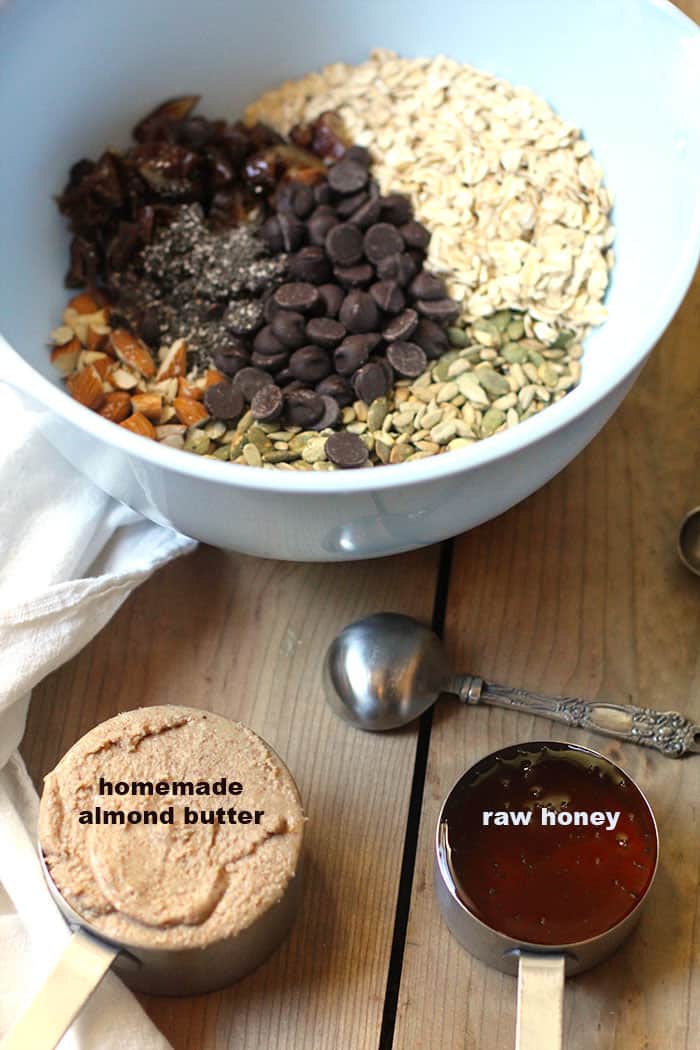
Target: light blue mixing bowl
<point>75,75</point>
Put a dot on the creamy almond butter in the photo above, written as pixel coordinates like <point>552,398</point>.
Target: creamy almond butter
<point>171,827</point>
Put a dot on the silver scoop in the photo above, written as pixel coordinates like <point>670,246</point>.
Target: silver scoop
<point>385,670</point>
<point>689,541</point>
<point>157,971</point>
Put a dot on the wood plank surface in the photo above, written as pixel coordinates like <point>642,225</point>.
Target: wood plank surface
<point>245,637</point>
<point>578,591</point>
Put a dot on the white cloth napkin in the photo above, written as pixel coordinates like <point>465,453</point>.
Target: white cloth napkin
<point>69,556</point>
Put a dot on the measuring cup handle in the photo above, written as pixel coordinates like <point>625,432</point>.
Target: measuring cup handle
<point>540,1016</point>
<point>70,984</point>
<point>666,731</point>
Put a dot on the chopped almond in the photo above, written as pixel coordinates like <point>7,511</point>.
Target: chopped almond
<point>98,338</point>
<point>86,387</point>
<point>62,335</point>
<point>149,405</point>
<point>117,406</point>
<point>123,379</point>
<point>65,356</point>
<point>190,411</point>
<point>138,424</point>
<point>187,389</point>
<point>170,430</point>
<point>102,365</point>
<point>175,361</point>
<point>167,413</point>
<point>84,303</point>
<point>212,376</point>
<point>132,352</point>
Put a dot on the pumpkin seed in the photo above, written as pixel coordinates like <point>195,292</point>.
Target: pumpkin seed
<point>251,455</point>
<point>492,420</point>
<point>197,442</point>
<point>457,337</point>
<point>376,413</point>
<point>493,383</point>
<point>514,353</point>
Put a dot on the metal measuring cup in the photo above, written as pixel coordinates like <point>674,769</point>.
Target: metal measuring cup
<point>540,968</point>
<point>176,971</point>
<point>156,971</point>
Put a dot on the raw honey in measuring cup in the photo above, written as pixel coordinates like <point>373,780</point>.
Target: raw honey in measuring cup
<point>549,843</point>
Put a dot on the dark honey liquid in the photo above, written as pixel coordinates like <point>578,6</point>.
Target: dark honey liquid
<point>548,885</point>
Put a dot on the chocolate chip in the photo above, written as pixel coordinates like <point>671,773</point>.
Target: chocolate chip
<point>310,264</point>
<point>310,364</point>
<point>283,377</point>
<point>302,200</point>
<point>381,240</point>
<point>415,235</point>
<point>283,196</point>
<point>399,267</point>
<point>388,296</point>
<point>292,230</point>
<point>386,368</point>
<point>358,154</point>
<point>344,244</point>
<point>325,332</point>
<point>442,310</point>
<point>373,340</point>
<point>319,225</point>
<point>303,408</point>
<point>267,342</point>
<point>396,209</point>
<point>354,276</point>
<point>290,328</point>
<point>299,296</point>
<point>346,450</point>
<point>417,256</point>
<point>270,362</point>
<point>231,359</point>
<point>338,388</point>
<point>347,205</point>
<point>149,327</point>
<point>407,359</point>
<point>270,308</point>
<point>347,176</point>
<point>331,413</point>
<point>271,233</point>
<point>368,213</point>
<point>224,401</point>
<point>401,326</point>
<point>267,403</point>
<point>431,338</point>
<point>370,382</point>
<point>322,193</point>
<point>332,297</point>
<point>427,286</point>
<point>352,353</point>
<point>250,380</point>
<point>359,312</point>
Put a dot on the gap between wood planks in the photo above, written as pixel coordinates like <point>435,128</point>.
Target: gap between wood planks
<point>408,861</point>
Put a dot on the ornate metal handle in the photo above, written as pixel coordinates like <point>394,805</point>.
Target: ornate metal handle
<point>667,731</point>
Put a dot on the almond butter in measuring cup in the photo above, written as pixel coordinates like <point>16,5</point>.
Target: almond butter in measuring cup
<point>175,834</point>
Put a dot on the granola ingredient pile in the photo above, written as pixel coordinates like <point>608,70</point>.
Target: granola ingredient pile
<point>403,256</point>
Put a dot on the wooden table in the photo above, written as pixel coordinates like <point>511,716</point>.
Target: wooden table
<point>577,590</point>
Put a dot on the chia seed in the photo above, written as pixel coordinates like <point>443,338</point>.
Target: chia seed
<point>199,285</point>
